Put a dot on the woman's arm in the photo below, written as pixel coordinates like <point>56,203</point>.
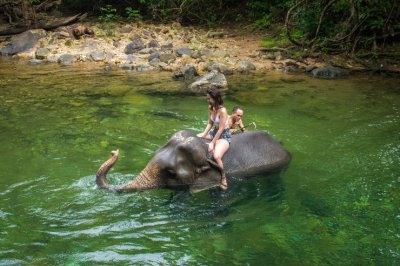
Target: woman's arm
<point>208,127</point>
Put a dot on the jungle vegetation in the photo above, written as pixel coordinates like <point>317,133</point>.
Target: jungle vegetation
<point>333,26</point>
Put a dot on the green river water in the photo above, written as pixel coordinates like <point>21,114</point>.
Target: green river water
<point>338,202</point>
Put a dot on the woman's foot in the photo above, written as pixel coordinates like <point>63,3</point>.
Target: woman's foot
<point>224,183</point>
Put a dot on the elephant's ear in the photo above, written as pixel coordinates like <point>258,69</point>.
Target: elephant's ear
<point>209,177</point>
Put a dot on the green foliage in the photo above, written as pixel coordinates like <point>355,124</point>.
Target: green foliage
<point>109,13</point>
<point>264,22</point>
<point>269,42</point>
<point>341,24</point>
<point>133,14</point>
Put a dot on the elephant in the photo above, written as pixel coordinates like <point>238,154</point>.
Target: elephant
<point>184,162</point>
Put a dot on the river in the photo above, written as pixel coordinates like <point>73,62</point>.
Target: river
<point>338,202</point>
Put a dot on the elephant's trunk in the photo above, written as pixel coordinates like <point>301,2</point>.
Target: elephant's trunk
<point>149,178</point>
<point>101,174</point>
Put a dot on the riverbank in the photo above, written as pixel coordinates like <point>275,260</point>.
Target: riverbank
<point>170,47</point>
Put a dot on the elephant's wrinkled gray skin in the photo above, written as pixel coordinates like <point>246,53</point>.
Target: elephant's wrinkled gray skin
<point>184,162</point>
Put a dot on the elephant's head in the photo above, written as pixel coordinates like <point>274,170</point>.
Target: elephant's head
<point>182,162</point>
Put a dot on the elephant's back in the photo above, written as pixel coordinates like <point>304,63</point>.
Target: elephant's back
<point>254,152</point>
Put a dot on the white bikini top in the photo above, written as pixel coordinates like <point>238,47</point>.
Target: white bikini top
<point>217,121</point>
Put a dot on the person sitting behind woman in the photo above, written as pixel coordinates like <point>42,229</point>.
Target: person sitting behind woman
<point>220,135</point>
<point>235,120</point>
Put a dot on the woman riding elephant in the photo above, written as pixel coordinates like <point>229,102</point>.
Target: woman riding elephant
<point>220,135</point>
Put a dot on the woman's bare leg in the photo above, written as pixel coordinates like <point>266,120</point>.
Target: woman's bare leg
<point>219,150</point>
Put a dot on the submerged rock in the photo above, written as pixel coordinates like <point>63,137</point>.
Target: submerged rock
<point>329,72</point>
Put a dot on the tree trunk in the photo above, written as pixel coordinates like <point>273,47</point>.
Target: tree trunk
<point>46,26</point>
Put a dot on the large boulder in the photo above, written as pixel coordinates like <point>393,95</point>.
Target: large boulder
<point>209,80</point>
<point>23,42</point>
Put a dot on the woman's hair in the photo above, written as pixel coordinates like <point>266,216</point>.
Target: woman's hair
<point>217,97</point>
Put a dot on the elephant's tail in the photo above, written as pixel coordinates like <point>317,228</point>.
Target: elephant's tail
<point>101,174</point>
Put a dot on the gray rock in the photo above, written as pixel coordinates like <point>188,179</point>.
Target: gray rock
<point>41,53</point>
<point>146,51</point>
<point>167,58</point>
<point>187,73</point>
<point>184,50</point>
<point>154,55</point>
<point>329,72</point>
<point>153,44</point>
<point>23,42</point>
<point>131,58</point>
<point>209,80</point>
<point>98,56</point>
<point>167,46</point>
<point>136,45</point>
<point>154,62</point>
<point>66,59</point>
<point>220,68</point>
<point>245,67</point>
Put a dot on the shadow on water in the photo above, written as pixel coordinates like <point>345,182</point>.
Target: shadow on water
<point>241,191</point>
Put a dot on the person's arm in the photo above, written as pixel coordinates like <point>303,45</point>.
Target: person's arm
<point>208,127</point>
<point>231,125</point>
<point>242,128</point>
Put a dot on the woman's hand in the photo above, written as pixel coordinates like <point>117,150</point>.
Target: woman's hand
<point>201,135</point>
<point>211,147</point>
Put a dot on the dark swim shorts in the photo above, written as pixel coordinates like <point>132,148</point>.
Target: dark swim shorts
<point>226,135</point>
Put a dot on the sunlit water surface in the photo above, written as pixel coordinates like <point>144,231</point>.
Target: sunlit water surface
<point>337,203</point>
